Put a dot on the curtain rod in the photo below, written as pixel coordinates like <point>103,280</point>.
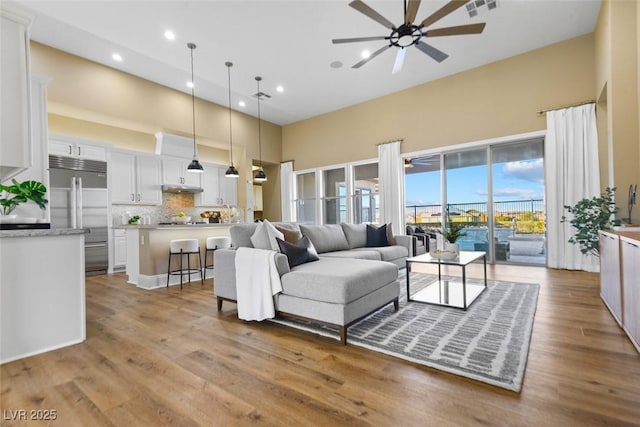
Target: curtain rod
<point>400,140</point>
<point>577,104</point>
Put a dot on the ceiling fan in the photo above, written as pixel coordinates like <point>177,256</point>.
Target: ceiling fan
<point>410,34</point>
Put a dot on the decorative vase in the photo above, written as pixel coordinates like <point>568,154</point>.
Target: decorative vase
<point>452,247</point>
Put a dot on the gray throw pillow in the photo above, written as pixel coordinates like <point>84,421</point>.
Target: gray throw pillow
<point>356,235</point>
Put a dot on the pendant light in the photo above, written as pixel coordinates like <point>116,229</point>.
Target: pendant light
<point>195,165</point>
<point>260,175</point>
<point>231,172</point>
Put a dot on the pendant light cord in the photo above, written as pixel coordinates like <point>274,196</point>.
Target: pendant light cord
<point>193,103</point>
<point>259,127</point>
<point>229,65</point>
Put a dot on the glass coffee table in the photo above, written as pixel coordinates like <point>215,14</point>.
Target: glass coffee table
<point>448,292</point>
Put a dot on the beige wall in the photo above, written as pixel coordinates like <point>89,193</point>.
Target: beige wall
<point>89,100</point>
<point>618,85</point>
<point>495,100</point>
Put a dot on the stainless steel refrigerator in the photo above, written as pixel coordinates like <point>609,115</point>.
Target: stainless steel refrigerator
<point>78,199</point>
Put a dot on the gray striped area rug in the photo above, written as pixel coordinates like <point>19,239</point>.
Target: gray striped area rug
<point>489,342</point>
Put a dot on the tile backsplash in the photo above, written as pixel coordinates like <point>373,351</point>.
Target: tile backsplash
<point>172,203</point>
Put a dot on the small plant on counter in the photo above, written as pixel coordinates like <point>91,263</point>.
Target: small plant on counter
<point>21,192</point>
<point>134,219</point>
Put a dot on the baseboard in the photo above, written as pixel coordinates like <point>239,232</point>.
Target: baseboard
<point>160,281</point>
<point>44,350</point>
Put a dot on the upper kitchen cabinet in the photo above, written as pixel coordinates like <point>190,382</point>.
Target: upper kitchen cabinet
<point>15,87</point>
<point>135,178</point>
<point>217,189</point>
<point>70,147</point>
<point>174,173</point>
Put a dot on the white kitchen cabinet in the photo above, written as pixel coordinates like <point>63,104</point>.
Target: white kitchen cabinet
<point>630,249</point>
<point>15,105</point>
<point>217,189</point>
<point>610,284</point>
<point>174,172</point>
<point>135,178</point>
<point>119,249</point>
<point>69,147</point>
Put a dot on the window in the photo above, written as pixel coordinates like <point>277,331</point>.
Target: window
<point>305,197</point>
<point>366,196</point>
<point>334,200</point>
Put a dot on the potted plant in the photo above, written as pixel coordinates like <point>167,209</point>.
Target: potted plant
<point>589,217</point>
<point>21,192</point>
<point>453,231</point>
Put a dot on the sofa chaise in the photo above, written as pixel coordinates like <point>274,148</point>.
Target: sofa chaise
<point>347,282</point>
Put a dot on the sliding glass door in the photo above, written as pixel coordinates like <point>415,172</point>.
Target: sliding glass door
<point>493,194</point>
<point>518,202</point>
<point>466,183</point>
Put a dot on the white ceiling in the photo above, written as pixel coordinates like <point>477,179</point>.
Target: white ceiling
<point>288,43</point>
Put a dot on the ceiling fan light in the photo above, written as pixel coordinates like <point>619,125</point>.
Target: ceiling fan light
<point>260,176</point>
<point>195,166</point>
<point>231,172</point>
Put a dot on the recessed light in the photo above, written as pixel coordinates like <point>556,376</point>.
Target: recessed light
<point>365,54</point>
<point>116,57</point>
<point>169,35</point>
<point>242,104</point>
<point>190,85</point>
<point>279,88</point>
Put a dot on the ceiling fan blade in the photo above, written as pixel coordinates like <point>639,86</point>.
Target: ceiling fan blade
<point>457,30</point>
<point>443,11</point>
<point>397,66</point>
<point>359,39</point>
<point>363,8</point>
<point>436,54</point>
<point>373,55</point>
<point>412,10</point>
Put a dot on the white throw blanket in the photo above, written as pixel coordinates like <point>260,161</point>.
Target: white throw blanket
<point>257,281</point>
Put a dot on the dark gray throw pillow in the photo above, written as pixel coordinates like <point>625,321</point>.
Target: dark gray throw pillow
<point>377,236</point>
<point>298,253</point>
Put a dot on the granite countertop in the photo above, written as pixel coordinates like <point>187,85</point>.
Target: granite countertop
<point>170,226</point>
<point>42,232</point>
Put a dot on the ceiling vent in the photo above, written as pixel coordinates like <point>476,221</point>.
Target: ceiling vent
<point>477,7</point>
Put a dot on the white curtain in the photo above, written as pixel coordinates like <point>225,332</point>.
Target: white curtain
<point>286,191</point>
<point>390,172</point>
<point>571,173</point>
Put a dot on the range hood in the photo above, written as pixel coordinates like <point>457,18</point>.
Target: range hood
<point>175,188</point>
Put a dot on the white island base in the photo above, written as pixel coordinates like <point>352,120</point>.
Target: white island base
<point>42,291</point>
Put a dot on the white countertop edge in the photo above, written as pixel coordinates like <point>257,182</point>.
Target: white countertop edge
<point>42,232</point>
<point>171,226</point>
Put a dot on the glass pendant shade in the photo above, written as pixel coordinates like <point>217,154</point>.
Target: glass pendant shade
<point>195,165</point>
<point>260,176</point>
<point>232,172</point>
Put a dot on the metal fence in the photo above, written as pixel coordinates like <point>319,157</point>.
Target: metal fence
<point>524,216</point>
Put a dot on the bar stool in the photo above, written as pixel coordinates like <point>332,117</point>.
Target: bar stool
<point>214,243</point>
<point>181,247</point>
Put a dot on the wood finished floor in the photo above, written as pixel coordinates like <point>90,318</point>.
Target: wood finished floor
<point>167,357</point>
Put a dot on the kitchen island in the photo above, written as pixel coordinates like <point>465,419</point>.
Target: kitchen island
<point>42,291</point>
<point>148,250</point>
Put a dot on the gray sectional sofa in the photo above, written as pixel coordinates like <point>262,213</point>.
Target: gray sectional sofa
<point>348,282</point>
